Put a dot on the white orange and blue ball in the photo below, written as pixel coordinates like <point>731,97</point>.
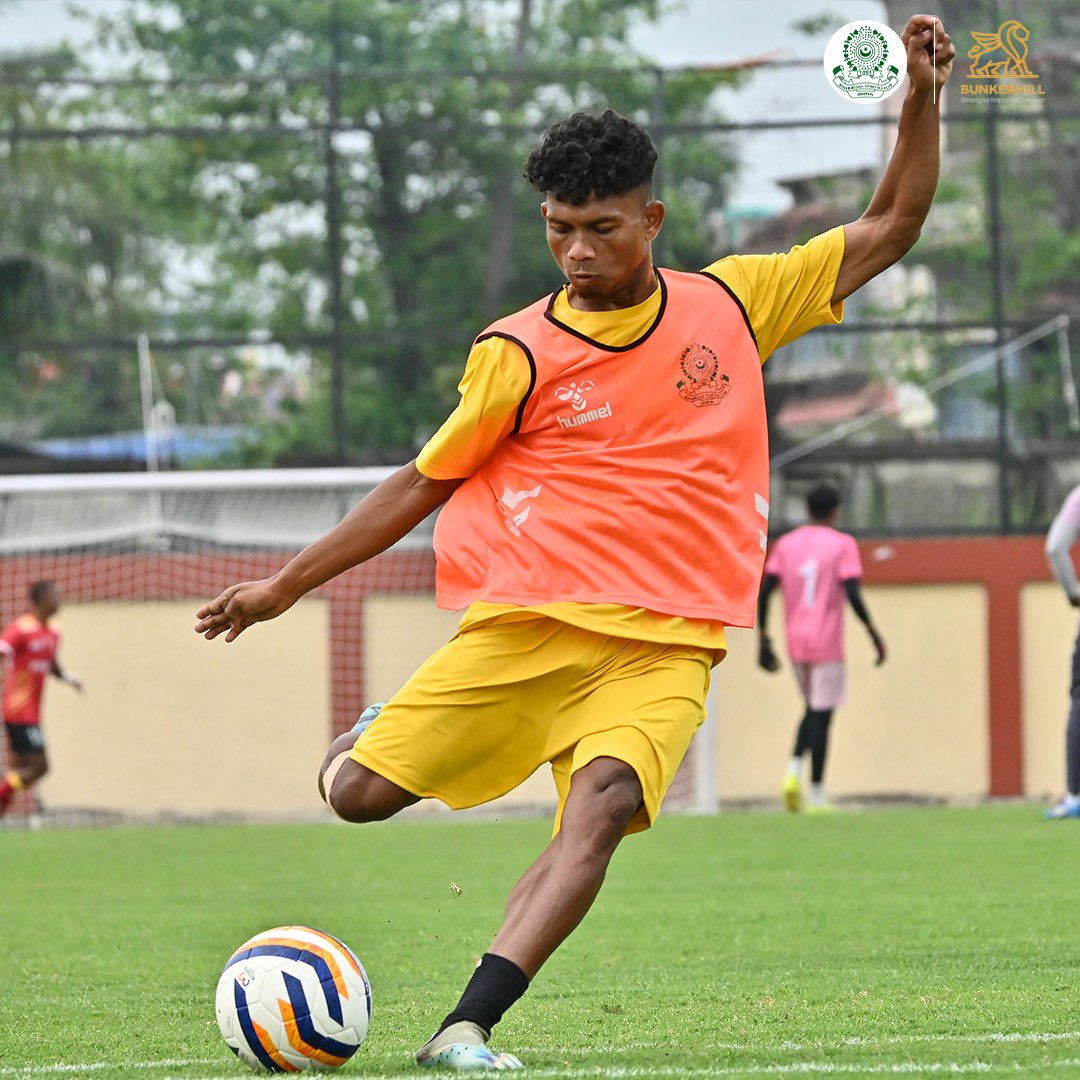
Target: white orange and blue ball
<point>293,998</point>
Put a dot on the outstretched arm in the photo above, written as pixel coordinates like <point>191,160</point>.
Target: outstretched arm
<point>891,224</point>
<point>378,521</point>
<point>855,598</point>
<point>66,676</point>
<point>767,657</point>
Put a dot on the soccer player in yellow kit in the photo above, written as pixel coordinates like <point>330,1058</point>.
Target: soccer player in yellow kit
<point>605,478</point>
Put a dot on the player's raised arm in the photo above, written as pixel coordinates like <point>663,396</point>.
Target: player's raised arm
<point>379,520</point>
<point>891,224</point>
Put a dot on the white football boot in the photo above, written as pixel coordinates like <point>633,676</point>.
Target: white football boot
<point>463,1046</point>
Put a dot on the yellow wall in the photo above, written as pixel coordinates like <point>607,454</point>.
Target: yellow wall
<point>918,725</point>
<point>171,722</point>
<point>1048,630</point>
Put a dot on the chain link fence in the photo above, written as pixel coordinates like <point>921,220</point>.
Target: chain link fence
<point>918,405</point>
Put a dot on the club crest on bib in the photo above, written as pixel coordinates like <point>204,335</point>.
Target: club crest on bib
<point>702,383</point>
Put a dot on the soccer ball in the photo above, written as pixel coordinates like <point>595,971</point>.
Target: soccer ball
<point>293,998</point>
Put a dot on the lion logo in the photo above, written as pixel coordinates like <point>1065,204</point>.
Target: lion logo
<point>987,61</point>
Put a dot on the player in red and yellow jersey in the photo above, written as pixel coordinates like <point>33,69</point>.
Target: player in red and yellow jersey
<point>605,477</point>
<point>28,649</point>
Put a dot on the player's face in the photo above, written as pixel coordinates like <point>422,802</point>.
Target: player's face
<point>50,603</point>
<point>602,246</point>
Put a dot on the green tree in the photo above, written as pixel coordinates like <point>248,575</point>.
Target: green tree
<point>442,99</point>
<point>1039,205</point>
<point>74,256</point>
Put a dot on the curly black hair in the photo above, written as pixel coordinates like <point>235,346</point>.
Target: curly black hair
<point>587,155</point>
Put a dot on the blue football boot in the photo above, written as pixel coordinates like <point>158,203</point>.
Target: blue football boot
<point>1067,808</point>
<point>367,717</point>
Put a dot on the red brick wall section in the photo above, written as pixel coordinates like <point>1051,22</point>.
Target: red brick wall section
<point>200,577</point>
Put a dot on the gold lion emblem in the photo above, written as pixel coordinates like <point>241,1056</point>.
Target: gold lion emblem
<point>986,57</point>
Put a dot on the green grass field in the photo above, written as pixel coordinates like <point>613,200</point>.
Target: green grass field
<point>901,941</point>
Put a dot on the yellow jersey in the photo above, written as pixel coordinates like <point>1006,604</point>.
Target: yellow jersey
<point>783,295</point>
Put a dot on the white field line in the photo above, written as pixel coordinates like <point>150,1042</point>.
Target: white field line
<point>615,1073</point>
<point>988,1037</point>
<point>909,1068</point>
<point>794,1047</point>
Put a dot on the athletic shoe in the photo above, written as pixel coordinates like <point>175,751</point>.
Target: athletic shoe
<point>822,808</point>
<point>370,714</point>
<point>463,1046</point>
<point>1067,808</point>
<point>792,793</point>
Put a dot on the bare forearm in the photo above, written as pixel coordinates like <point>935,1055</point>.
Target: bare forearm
<point>1059,543</point>
<point>377,522</point>
<point>906,189</point>
<point>892,222</point>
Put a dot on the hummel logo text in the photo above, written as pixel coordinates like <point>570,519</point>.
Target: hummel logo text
<point>586,417</point>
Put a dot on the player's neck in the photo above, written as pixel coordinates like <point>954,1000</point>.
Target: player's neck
<point>636,291</point>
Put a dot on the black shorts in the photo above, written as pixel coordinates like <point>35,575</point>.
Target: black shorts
<point>25,738</point>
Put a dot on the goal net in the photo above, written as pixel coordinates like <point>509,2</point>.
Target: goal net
<point>172,726</point>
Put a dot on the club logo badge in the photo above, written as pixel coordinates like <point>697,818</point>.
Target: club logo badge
<point>865,61</point>
<point>702,382</point>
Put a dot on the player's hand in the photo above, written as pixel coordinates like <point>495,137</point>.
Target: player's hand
<point>879,648</point>
<point>767,657</point>
<point>241,605</point>
<point>919,40</point>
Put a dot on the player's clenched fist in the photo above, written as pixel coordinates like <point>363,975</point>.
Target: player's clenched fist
<point>930,51</point>
<point>241,605</point>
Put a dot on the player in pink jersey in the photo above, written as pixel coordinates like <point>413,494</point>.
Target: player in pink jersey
<point>817,567</point>
<point>27,655</point>
<point>1059,544</point>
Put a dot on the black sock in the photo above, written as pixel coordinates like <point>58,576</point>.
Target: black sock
<point>804,738</point>
<point>495,985</point>
<point>820,745</point>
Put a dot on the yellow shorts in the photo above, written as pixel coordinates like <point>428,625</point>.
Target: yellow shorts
<point>500,699</point>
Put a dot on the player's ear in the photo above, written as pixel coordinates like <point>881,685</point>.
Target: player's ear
<point>654,218</point>
<point>544,209</point>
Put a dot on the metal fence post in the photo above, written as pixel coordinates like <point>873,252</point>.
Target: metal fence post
<point>997,270</point>
<point>658,124</point>
<point>334,254</point>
